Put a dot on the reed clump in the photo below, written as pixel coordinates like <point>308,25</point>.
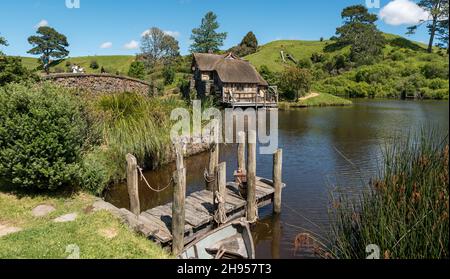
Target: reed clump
<point>128,123</point>
<point>405,212</point>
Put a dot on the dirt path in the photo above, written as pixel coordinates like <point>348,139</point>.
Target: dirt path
<point>312,95</point>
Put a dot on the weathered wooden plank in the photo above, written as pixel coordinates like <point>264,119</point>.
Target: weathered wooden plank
<point>201,218</point>
<point>201,203</point>
<point>152,229</point>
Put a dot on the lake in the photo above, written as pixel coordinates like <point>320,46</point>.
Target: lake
<point>322,148</point>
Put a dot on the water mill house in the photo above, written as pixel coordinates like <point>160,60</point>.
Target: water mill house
<point>232,80</point>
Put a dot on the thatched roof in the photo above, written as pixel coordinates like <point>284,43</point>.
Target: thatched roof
<point>229,68</point>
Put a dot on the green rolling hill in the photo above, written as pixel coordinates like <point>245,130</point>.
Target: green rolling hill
<point>112,64</point>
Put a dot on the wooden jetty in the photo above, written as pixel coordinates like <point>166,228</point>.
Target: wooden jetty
<point>199,211</point>
<point>185,219</point>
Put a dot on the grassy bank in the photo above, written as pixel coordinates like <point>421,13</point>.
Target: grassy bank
<point>97,234</point>
<point>321,100</point>
<point>406,212</point>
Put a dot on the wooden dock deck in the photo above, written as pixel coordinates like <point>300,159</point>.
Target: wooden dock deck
<point>156,223</point>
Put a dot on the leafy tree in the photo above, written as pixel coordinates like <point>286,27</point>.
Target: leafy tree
<point>268,75</point>
<point>442,29</point>
<point>248,45</point>
<point>49,44</point>
<point>3,42</point>
<point>438,10</point>
<point>360,32</point>
<point>159,47</point>
<point>137,70</point>
<point>205,38</point>
<point>295,82</point>
<point>168,75</point>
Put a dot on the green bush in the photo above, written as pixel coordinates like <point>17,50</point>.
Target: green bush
<point>94,65</point>
<point>360,89</point>
<point>137,70</point>
<point>435,70</point>
<point>374,74</point>
<point>168,75</point>
<point>305,63</point>
<point>12,70</point>
<point>97,171</point>
<point>42,132</point>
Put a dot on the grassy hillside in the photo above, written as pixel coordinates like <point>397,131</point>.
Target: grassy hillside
<point>270,54</point>
<point>405,69</point>
<point>112,64</point>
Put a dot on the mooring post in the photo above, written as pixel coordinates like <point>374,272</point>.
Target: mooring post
<point>220,194</point>
<point>178,211</point>
<point>133,184</point>
<point>213,160</point>
<point>277,180</point>
<point>180,156</point>
<point>251,178</point>
<point>241,151</point>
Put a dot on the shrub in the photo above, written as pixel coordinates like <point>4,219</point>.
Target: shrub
<point>318,57</point>
<point>435,70</point>
<point>137,70</point>
<point>168,75</point>
<point>41,137</point>
<point>12,70</point>
<point>374,74</point>
<point>359,89</point>
<point>97,172</point>
<point>305,63</point>
<point>94,65</point>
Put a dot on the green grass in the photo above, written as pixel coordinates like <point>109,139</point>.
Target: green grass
<point>112,64</point>
<point>270,56</point>
<point>323,100</point>
<point>43,239</point>
<point>406,211</point>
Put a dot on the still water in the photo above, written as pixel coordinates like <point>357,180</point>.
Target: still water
<point>322,148</point>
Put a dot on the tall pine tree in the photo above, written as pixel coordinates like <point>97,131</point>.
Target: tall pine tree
<point>437,24</point>
<point>206,38</point>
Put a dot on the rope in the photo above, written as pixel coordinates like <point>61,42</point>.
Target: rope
<point>220,216</point>
<point>208,178</point>
<point>148,184</point>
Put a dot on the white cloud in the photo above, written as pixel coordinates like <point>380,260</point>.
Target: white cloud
<point>106,45</point>
<point>174,34</point>
<point>131,45</point>
<point>42,23</point>
<point>399,12</point>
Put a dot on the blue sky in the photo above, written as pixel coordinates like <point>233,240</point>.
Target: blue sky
<point>115,24</point>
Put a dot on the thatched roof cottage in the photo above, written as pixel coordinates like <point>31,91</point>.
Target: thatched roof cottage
<point>234,81</point>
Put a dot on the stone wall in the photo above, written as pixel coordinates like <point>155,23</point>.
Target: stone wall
<point>104,83</point>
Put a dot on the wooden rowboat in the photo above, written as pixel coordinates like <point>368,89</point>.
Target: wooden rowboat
<point>231,241</point>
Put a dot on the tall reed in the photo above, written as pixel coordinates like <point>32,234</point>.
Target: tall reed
<point>405,211</point>
<point>136,124</point>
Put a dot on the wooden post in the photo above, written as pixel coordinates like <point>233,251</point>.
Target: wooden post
<point>251,178</point>
<point>213,162</point>
<point>241,151</point>
<point>219,204</point>
<point>178,211</point>
<point>277,180</point>
<point>180,156</point>
<point>133,185</point>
